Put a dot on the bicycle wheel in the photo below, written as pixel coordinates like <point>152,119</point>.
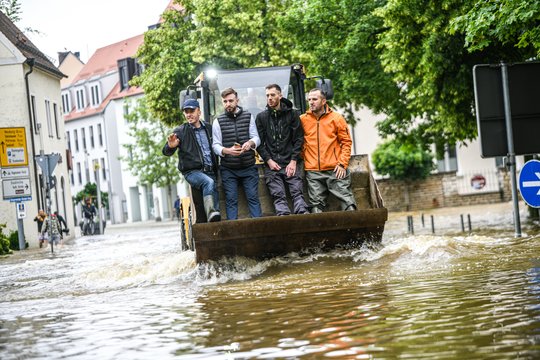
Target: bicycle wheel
<point>91,227</point>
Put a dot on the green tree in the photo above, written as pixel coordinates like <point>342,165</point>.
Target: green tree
<point>90,191</point>
<point>226,34</point>
<point>514,23</point>
<point>167,56</point>
<point>339,38</point>
<point>425,49</point>
<point>145,159</point>
<point>12,9</point>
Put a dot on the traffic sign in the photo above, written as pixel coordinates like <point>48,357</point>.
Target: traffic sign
<point>13,150</point>
<point>15,172</point>
<point>529,183</point>
<point>16,188</point>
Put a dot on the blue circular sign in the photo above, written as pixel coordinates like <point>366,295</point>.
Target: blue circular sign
<point>529,183</point>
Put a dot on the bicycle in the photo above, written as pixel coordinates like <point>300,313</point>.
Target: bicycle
<point>89,226</point>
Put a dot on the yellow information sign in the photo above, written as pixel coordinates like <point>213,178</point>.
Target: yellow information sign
<point>13,150</point>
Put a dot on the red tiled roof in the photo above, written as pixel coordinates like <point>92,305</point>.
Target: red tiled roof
<point>105,58</point>
<point>102,61</point>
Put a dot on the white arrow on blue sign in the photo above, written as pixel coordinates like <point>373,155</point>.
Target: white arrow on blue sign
<point>529,183</point>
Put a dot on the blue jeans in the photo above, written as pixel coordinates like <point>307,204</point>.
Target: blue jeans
<point>249,178</point>
<point>204,182</point>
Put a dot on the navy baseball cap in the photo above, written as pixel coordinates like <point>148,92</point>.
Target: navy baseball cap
<point>190,104</point>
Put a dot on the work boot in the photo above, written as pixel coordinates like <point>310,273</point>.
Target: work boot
<point>212,214</point>
<point>316,210</point>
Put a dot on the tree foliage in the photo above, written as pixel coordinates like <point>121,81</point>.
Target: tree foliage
<point>411,60</point>
<point>226,34</point>
<point>145,159</point>
<point>338,38</point>
<point>12,9</point>
<point>167,56</point>
<point>90,191</point>
<point>403,160</point>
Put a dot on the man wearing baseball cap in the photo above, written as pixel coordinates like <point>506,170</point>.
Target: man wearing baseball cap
<point>196,161</point>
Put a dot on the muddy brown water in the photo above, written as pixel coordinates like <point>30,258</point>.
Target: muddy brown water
<point>132,294</point>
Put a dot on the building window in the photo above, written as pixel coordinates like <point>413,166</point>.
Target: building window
<point>127,68</point>
<point>33,114</point>
<point>76,139</point>
<point>79,173</point>
<point>87,172</point>
<point>100,135</point>
<point>49,118</point>
<point>95,95</point>
<point>68,138</point>
<point>92,144</point>
<point>66,102</point>
<point>103,172</point>
<point>446,158</point>
<point>80,99</point>
<point>56,123</point>
<point>72,178</point>
<point>83,135</point>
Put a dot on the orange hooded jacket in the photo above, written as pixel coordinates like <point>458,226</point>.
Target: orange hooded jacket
<point>327,141</point>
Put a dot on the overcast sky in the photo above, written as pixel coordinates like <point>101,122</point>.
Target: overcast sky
<point>86,25</point>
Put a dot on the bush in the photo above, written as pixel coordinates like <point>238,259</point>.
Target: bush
<point>14,241</point>
<point>4,241</point>
<point>402,161</point>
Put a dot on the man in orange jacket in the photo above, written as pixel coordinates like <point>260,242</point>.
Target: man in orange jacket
<point>327,150</point>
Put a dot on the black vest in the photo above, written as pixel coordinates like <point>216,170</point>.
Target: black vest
<point>235,129</point>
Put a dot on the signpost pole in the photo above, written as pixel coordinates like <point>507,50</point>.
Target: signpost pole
<point>20,229</point>
<point>511,153</point>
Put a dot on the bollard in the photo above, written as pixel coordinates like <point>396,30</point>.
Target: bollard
<point>462,223</point>
<point>410,224</point>
<point>469,220</point>
<point>432,225</point>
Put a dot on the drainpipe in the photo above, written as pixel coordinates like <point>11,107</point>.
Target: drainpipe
<point>30,62</point>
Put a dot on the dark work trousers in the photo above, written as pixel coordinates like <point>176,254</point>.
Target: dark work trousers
<point>275,181</point>
<point>322,182</point>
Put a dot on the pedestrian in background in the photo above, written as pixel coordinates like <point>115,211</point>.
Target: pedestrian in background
<point>52,227</point>
<point>40,218</point>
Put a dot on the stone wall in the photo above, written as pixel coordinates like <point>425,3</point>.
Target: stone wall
<point>438,190</point>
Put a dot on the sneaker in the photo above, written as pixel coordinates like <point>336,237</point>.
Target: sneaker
<point>351,207</point>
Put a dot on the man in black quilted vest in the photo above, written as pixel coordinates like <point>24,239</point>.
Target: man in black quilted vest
<point>235,138</point>
<point>196,161</point>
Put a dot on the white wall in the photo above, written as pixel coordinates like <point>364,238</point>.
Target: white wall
<point>14,113</point>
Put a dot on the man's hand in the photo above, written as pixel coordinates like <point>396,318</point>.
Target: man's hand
<point>248,145</point>
<point>173,141</point>
<point>340,172</point>
<point>234,150</point>
<point>290,170</point>
<point>273,165</point>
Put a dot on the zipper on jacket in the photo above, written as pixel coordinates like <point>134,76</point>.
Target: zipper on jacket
<point>318,144</point>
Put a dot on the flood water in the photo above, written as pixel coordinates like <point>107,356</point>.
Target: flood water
<point>132,294</point>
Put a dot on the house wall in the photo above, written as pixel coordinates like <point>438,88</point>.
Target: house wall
<point>14,113</point>
<point>439,190</point>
